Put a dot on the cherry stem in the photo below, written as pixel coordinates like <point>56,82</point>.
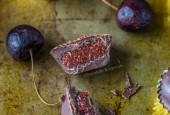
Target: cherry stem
<point>110,5</point>
<point>36,89</point>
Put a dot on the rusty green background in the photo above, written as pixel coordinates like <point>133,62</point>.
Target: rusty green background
<point>144,55</point>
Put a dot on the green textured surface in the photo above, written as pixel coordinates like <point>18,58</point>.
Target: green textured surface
<point>144,55</point>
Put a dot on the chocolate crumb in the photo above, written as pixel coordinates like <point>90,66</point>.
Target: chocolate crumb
<point>128,92</point>
<point>128,80</point>
<point>1,42</point>
<point>37,82</point>
<point>114,92</point>
<point>110,112</point>
<point>62,98</point>
<point>168,68</point>
<point>25,75</point>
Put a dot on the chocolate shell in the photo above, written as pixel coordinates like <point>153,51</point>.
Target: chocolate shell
<point>78,103</point>
<point>110,112</point>
<point>131,89</point>
<point>128,92</point>
<point>84,54</point>
<point>164,89</point>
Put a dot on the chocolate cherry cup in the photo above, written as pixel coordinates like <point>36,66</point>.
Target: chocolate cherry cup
<point>162,105</point>
<point>84,54</point>
<point>78,103</point>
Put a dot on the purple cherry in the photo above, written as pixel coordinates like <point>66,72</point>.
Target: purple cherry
<point>133,15</point>
<point>21,39</point>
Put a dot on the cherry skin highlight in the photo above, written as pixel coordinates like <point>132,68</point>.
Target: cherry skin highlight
<point>134,15</point>
<point>21,39</point>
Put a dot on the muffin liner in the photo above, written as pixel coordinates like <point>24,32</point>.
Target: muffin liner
<point>162,103</point>
<point>158,108</point>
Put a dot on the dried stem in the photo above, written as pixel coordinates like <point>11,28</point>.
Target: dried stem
<point>110,5</point>
<point>36,89</point>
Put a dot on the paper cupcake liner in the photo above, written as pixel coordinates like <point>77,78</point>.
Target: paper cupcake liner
<point>162,104</point>
<point>158,108</point>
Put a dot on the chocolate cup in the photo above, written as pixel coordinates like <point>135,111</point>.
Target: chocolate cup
<point>59,51</point>
<point>70,105</point>
<point>164,89</point>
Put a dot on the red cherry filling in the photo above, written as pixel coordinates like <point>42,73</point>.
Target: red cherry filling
<point>84,107</point>
<point>84,54</point>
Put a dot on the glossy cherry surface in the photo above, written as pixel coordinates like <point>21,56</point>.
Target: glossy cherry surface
<point>134,15</point>
<point>21,39</point>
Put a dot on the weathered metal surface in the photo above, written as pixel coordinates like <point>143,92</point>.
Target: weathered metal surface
<point>144,55</point>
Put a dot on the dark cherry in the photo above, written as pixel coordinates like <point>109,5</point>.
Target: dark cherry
<point>132,15</point>
<point>21,39</point>
<point>23,42</point>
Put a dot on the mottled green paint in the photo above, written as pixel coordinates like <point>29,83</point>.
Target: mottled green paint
<point>144,55</point>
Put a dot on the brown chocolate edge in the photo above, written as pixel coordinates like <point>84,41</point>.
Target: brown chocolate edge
<point>128,80</point>
<point>79,39</point>
<point>136,86</point>
<point>114,92</point>
<point>110,111</point>
<point>71,93</point>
